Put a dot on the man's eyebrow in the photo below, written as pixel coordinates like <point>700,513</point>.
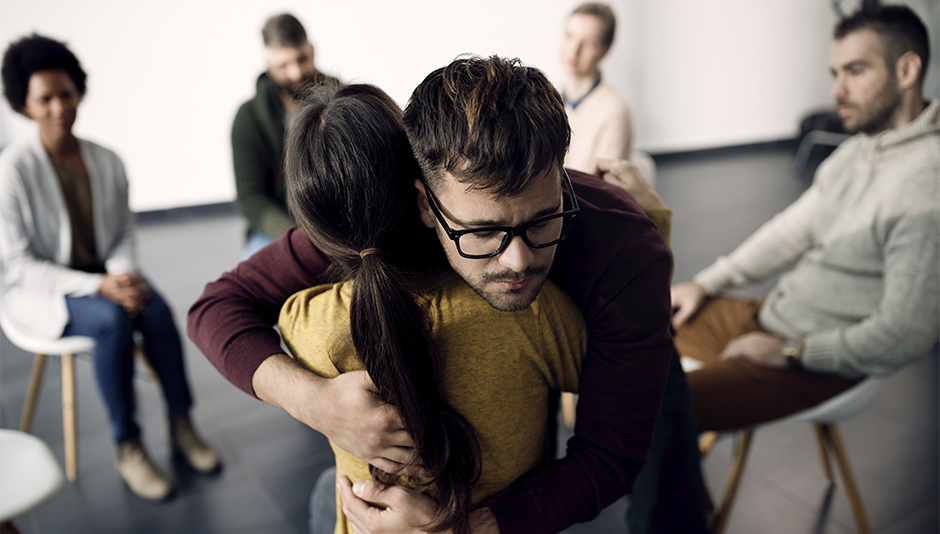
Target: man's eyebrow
<point>474,223</point>
<point>853,64</point>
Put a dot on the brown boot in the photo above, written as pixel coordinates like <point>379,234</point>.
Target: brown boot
<point>141,476</point>
<point>184,439</point>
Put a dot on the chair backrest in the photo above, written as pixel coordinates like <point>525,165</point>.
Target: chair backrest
<point>842,406</point>
<point>62,345</point>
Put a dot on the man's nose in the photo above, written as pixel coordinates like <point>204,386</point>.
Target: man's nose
<point>294,72</point>
<point>838,88</point>
<point>517,256</point>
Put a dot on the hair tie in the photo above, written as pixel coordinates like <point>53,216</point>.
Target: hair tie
<point>369,252</point>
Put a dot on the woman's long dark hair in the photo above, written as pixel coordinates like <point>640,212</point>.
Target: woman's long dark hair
<point>350,182</point>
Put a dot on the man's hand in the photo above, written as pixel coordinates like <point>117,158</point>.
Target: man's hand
<point>345,409</point>
<point>407,510</point>
<point>687,299</point>
<point>627,176</point>
<point>361,423</point>
<point>128,290</point>
<point>759,347</point>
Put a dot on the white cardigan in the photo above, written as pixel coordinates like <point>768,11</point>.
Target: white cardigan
<point>36,236</point>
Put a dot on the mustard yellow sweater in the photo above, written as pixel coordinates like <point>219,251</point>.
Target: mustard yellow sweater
<point>498,367</point>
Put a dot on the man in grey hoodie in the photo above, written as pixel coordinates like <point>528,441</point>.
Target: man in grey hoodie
<point>863,298</point>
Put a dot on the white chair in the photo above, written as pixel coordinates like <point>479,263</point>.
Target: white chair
<point>67,348</point>
<point>29,476</point>
<point>823,417</point>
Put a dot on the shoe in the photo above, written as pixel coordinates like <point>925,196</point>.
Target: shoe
<point>184,439</point>
<point>141,476</point>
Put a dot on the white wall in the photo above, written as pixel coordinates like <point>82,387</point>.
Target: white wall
<point>725,72</point>
<point>166,78</point>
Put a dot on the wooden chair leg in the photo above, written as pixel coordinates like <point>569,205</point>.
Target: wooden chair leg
<point>851,488</point>
<point>720,518</point>
<point>35,380</point>
<point>823,441</point>
<point>68,417</point>
<point>568,408</point>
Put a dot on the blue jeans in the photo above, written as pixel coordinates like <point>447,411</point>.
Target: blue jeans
<point>113,331</point>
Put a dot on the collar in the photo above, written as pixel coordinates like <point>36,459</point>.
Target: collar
<point>575,104</point>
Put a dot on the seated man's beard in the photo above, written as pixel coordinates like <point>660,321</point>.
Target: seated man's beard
<point>296,90</point>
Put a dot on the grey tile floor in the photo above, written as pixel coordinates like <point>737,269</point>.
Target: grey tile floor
<point>272,461</point>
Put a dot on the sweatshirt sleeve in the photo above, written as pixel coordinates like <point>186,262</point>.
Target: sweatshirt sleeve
<point>775,244</point>
<point>254,166</point>
<point>231,323</point>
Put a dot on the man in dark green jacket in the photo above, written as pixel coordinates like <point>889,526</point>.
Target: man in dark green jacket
<point>260,127</point>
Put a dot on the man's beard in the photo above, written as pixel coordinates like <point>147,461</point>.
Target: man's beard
<point>878,115</point>
<point>512,300</point>
<point>296,91</point>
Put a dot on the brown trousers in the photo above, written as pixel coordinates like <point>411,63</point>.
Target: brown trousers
<point>737,393</point>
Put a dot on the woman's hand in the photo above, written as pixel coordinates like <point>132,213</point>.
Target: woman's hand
<point>406,511</point>
<point>128,290</point>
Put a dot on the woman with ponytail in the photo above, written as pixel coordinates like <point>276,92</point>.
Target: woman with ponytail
<point>470,382</point>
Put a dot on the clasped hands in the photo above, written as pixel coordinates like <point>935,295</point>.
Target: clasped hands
<point>128,290</point>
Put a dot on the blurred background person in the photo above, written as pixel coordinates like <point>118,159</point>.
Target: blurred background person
<point>601,117</point>
<point>68,258</point>
<point>260,128</point>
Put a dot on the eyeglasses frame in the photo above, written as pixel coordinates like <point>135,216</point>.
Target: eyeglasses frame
<point>510,231</point>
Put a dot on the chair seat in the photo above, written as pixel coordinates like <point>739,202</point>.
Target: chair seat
<point>29,473</point>
<point>62,345</point>
<point>842,406</point>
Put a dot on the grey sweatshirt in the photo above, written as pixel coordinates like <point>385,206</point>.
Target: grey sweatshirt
<point>865,292</point>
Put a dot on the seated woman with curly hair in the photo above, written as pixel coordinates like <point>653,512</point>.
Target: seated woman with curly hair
<point>68,259</point>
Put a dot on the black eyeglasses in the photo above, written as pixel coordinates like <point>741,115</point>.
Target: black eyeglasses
<point>489,241</point>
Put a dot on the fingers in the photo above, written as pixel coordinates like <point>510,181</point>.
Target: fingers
<point>357,510</point>
<point>370,491</point>
<point>397,467</point>
<point>387,418</point>
<point>687,298</point>
<point>604,165</point>
<point>681,316</point>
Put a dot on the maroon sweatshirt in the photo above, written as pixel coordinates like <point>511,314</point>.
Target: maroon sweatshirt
<point>615,266</point>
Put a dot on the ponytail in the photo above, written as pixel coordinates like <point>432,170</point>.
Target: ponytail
<point>389,334</point>
<point>350,175</point>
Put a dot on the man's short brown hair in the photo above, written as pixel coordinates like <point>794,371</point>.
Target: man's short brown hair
<point>282,31</point>
<point>899,29</point>
<point>492,123</point>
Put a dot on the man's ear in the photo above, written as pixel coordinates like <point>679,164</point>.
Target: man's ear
<point>424,209</point>
<point>907,69</point>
